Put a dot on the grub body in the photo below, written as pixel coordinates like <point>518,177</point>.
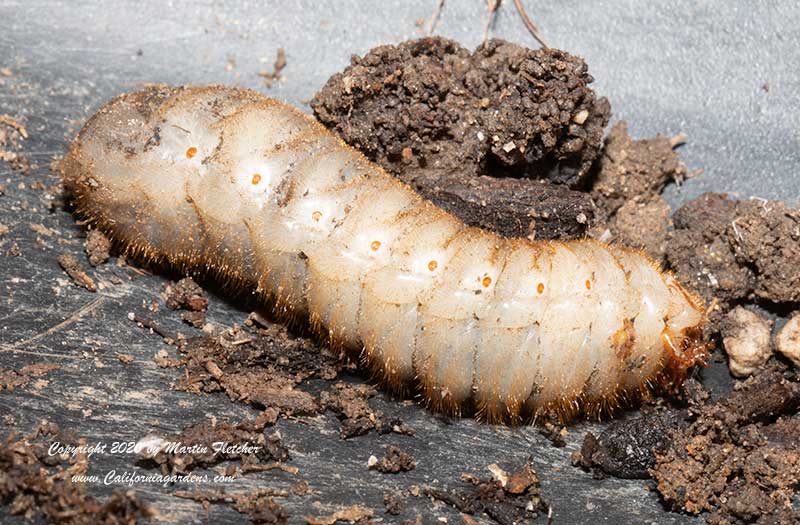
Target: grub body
<point>227,180</point>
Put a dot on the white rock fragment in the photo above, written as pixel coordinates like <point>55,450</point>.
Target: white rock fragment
<point>788,340</point>
<point>372,461</point>
<point>499,474</point>
<point>746,338</point>
<point>508,147</point>
<point>580,117</point>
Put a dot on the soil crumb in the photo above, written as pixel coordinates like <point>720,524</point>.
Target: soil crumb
<point>625,449</point>
<point>787,341</point>
<point>395,460</point>
<point>349,402</point>
<point>13,379</point>
<point>262,369</point>
<point>39,487</point>
<point>69,263</point>
<point>258,504</point>
<point>505,498</point>
<point>627,190</point>
<point>733,250</point>
<point>739,459</point>
<point>352,514</point>
<point>12,133</point>
<point>97,247</point>
<point>199,447</point>
<point>746,337</point>
<point>188,295</point>
<point>270,369</point>
<point>440,118</point>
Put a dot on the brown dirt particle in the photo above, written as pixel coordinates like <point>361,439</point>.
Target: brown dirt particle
<point>505,498</point>
<point>394,461</point>
<point>75,271</point>
<point>97,247</point>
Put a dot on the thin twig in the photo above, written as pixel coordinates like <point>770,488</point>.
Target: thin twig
<point>491,7</point>
<point>152,325</point>
<point>77,314</point>
<point>532,29</point>
<point>435,18</point>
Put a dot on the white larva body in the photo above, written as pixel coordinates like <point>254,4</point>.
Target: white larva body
<point>231,181</point>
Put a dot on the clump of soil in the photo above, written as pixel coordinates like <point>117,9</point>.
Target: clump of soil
<point>70,264</point>
<point>787,341</point>
<point>12,133</point>
<point>627,190</point>
<point>506,498</point>
<point>261,369</point>
<point>12,379</point>
<point>395,460</point>
<point>739,460</point>
<point>432,103</point>
<point>266,368</point>
<point>349,402</point>
<point>39,486</point>
<point>247,442</point>
<point>747,339</point>
<point>737,250</point>
<point>446,120</point>
<point>258,504</point>
<point>188,295</point>
<point>97,247</point>
<point>625,449</point>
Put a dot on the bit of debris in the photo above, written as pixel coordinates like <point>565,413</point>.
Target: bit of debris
<point>97,247</point>
<point>354,513</point>
<point>270,77</point>
<point>187,295</point>
<point>747,341</point>
<point>506,498</point>
<point>75,271</point>
<point>394,461</point>
<point>258,504</point>
<point>625,449</point>
<point>12,379</point>
<point>739,460</point>
<point>788,340</point>
<point>38,486</point>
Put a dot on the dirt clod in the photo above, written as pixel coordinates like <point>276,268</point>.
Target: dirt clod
<point>503,105</point>
<point>788,340</point>
<point>12,379</point>
<point>395,460</point>
<point>738,460</point>
<point>97,247</point>
<point>467,119</point>
<point>188,295</point>
<point>38,486</point>
<point>625,449</point>
<point>199,447</point>
<point>627,190</point>
<point>735,250</point>
<point>76,272</point>
<point>747,340</point>
<point>505,498</point>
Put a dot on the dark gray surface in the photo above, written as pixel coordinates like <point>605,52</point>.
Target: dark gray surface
<point>695,67</point>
